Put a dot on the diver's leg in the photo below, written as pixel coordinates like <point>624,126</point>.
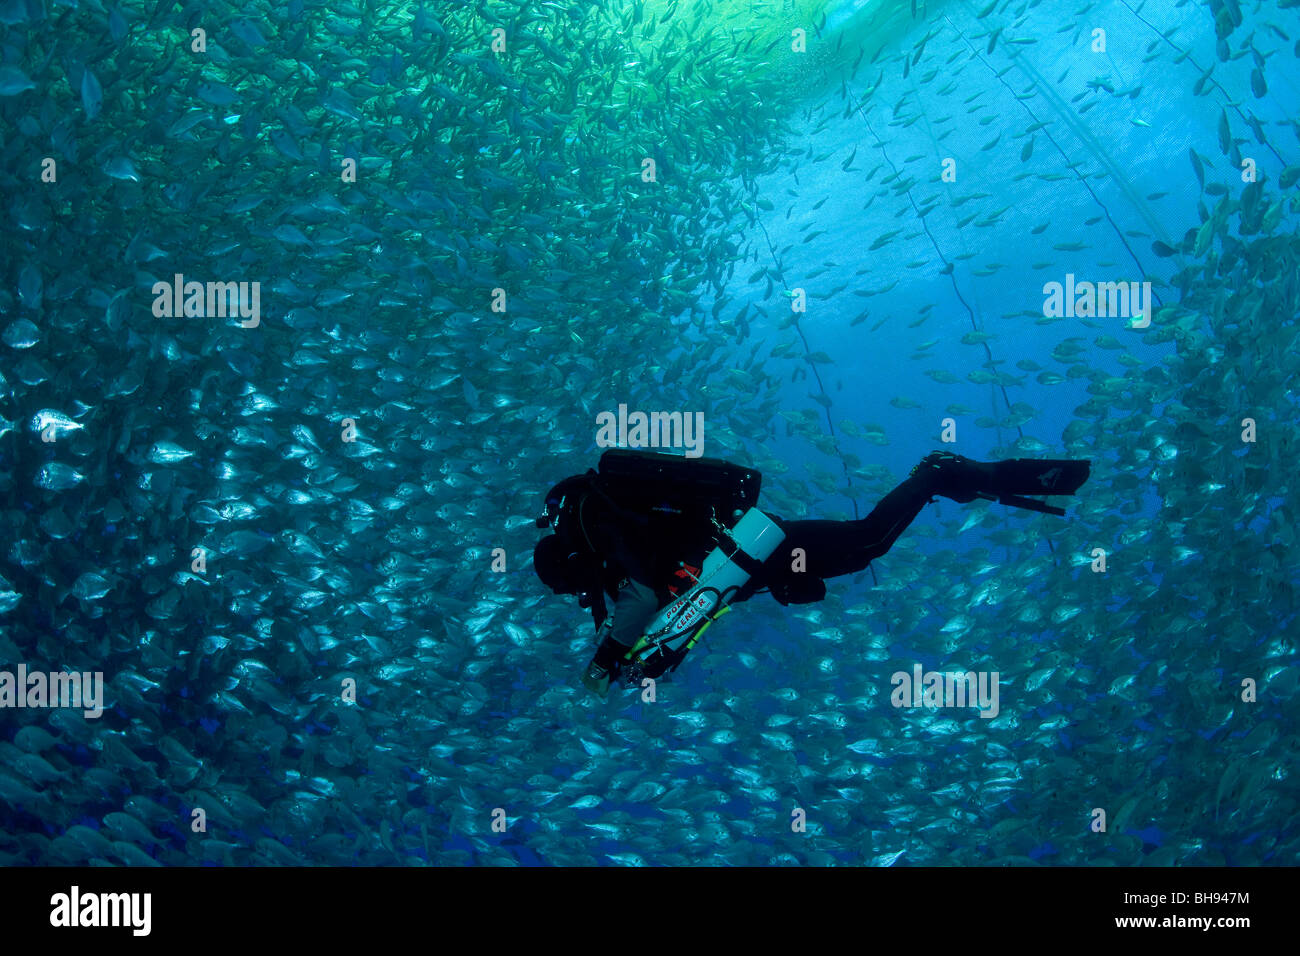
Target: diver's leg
<point>834,548</point>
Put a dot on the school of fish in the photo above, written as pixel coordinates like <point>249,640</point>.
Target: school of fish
<point>295,539</point>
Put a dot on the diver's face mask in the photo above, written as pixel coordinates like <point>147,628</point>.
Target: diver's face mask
<point>582,575</point>
<point>567,571</point>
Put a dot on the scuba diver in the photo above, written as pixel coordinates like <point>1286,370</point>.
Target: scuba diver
<point>674,542</point>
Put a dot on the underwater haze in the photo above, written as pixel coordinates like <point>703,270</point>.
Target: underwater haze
<point>307,304</point>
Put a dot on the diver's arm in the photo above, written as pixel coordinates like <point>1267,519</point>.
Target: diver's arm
<point>634,609</point>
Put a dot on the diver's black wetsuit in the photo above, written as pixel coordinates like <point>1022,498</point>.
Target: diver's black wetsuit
<point>637,560</point>
<point>835,548</point>
<point>641,556</point>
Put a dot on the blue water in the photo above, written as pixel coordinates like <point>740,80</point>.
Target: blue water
<point>780,176</point>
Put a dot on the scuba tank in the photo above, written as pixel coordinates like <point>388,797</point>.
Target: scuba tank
<point>669,496</point>
<point>738,556</point>
<point>652,486</point>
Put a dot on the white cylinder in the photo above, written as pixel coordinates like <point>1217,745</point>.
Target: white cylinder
<point>758,536</point>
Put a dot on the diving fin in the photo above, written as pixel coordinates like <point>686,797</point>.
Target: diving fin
<point>1039,476</point>
<point>962,479</point>
<point>1017,477</point>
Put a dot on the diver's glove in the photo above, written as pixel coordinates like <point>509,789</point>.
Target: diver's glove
<point>596,679</point>
<point>604,667</point>
<point>955,477</point>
